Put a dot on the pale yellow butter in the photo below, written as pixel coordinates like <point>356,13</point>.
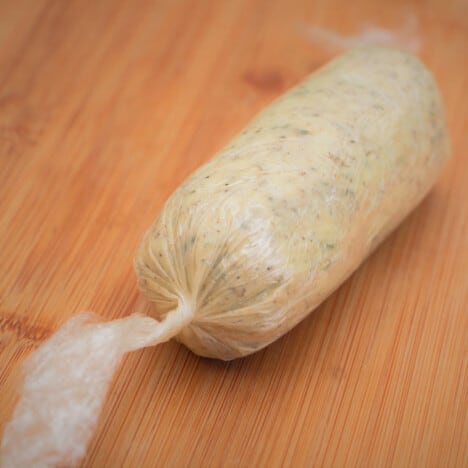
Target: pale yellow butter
<point>265,231</point>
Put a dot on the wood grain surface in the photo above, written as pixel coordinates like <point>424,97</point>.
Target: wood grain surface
<point>105,107</point>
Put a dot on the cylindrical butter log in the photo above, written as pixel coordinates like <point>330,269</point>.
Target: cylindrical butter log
<point>259,236</point>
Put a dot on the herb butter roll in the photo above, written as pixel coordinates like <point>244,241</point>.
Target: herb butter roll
<point>260,235</point>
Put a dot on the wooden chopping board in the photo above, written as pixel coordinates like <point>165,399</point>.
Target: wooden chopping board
<point>105,107</point>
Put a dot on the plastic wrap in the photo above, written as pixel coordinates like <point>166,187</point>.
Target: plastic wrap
<point>264,232</point>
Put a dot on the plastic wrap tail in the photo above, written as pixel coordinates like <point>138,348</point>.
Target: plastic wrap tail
<point>66,381</point>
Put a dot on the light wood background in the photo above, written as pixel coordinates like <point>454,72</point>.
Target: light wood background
<point>105,107</point>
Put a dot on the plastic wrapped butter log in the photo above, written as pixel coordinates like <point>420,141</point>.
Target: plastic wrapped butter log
<point>255,239</point>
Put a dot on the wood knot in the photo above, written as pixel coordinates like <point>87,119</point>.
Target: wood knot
<point>21,124</point>
<point>267,81</point>
<point>22,330</point>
